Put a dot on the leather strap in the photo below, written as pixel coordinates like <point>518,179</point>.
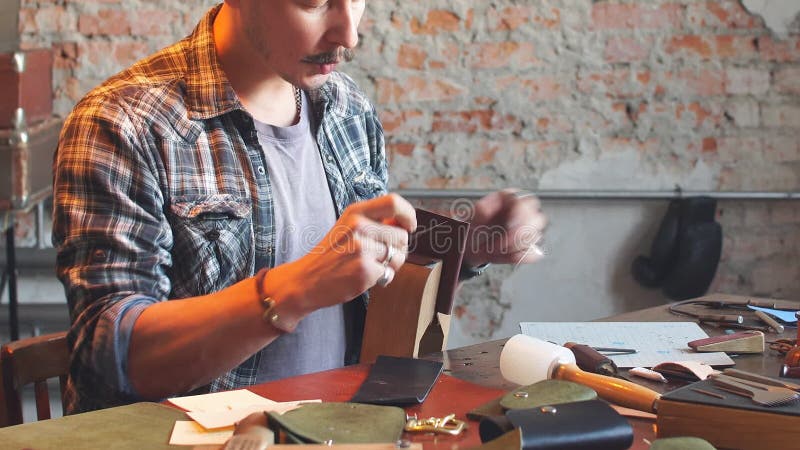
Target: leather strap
<point>398,381</point>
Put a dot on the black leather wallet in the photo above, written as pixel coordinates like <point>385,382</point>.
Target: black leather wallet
<point>398,381</point>
<point>591,424</point>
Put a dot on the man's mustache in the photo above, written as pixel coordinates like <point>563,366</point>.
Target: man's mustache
<point>341,54</point>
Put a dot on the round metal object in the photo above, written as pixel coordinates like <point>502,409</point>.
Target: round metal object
<point>548,409</point>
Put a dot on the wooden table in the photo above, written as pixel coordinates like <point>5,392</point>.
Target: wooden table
<point>480,363</point>
<point>768,363</point>
<point>449,395</point>
<point>473,379</point>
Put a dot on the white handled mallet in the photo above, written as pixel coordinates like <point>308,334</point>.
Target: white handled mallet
<point>526,360</point>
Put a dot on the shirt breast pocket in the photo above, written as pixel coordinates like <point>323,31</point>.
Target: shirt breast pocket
<point>213,243</point>
<point>367,184</point>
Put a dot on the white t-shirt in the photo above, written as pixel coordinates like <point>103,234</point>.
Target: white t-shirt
<point>304,213</point>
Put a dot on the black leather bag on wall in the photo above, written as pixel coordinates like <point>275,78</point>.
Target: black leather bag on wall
<point>685,252</point>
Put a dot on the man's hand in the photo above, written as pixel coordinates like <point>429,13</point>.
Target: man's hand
<point>505,228</point>
<point>351,258</point>
<point>252,432</point>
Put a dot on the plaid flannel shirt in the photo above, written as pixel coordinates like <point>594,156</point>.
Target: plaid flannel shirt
<point>161,192</point>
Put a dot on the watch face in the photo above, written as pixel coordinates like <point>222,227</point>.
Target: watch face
<point>471,272</point>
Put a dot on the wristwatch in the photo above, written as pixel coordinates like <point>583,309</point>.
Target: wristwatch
<point>468,272</point>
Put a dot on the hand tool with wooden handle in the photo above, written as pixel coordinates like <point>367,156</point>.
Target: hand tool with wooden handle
<point>527,360</point>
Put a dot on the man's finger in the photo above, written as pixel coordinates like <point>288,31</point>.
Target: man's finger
<point>384,234</point>
<point>392,209</point>
<point>525,212</point>
<point>489,206</point>
<point>385,254</point>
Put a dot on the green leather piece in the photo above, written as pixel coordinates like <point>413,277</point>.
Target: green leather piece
<point>681,443</point>
<point>547,392</point>
<point>488,409</point>
<point>343,423</point>
<point>509,441</point>
<point>131,427</point>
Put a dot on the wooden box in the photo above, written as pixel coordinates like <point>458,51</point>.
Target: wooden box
<point>733,422</point>
<point>26,87</point>
<point>26,161</point>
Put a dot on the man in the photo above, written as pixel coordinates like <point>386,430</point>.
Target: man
<point>237,151</point>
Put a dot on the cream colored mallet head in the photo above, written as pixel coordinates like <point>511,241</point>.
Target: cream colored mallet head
<point>526,360</point>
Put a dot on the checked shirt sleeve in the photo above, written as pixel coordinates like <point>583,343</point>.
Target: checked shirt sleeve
<point>110,234</point>
<point>378,146</point>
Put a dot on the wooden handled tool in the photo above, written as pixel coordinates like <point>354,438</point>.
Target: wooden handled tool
<point>591,360</point>
<point>526,360</point>
<point>616,390</point>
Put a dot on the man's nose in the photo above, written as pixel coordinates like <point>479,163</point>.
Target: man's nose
<point>343,29</point>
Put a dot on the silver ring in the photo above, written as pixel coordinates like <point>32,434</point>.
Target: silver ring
<point>389,254</point>
<point>386,278</point>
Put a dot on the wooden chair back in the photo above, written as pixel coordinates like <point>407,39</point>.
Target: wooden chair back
<point>31,360</point>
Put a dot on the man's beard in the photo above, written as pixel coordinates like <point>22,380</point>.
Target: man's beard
<point>252,31</point>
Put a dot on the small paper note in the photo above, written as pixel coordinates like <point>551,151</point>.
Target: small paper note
<point>219,401</point>
<point>187,432</point>
<point>227,418</point>
<point>655,342</point>
<point>215,415</point>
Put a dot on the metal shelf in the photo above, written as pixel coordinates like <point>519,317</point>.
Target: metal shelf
<point>604,195</point>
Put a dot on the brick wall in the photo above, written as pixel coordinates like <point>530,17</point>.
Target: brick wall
<point>94,39</point>
<point>541,94</point>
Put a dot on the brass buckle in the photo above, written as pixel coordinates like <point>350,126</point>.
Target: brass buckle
<point>445,425</point>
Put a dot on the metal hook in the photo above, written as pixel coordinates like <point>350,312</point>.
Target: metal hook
<point>445,425</point>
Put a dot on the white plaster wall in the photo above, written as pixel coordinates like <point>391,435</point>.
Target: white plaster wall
<point>779,15</point>
<point>586,274</point>
<point>37,287</point>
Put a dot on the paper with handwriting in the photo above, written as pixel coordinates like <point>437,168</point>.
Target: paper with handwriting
<point>654,342</point>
